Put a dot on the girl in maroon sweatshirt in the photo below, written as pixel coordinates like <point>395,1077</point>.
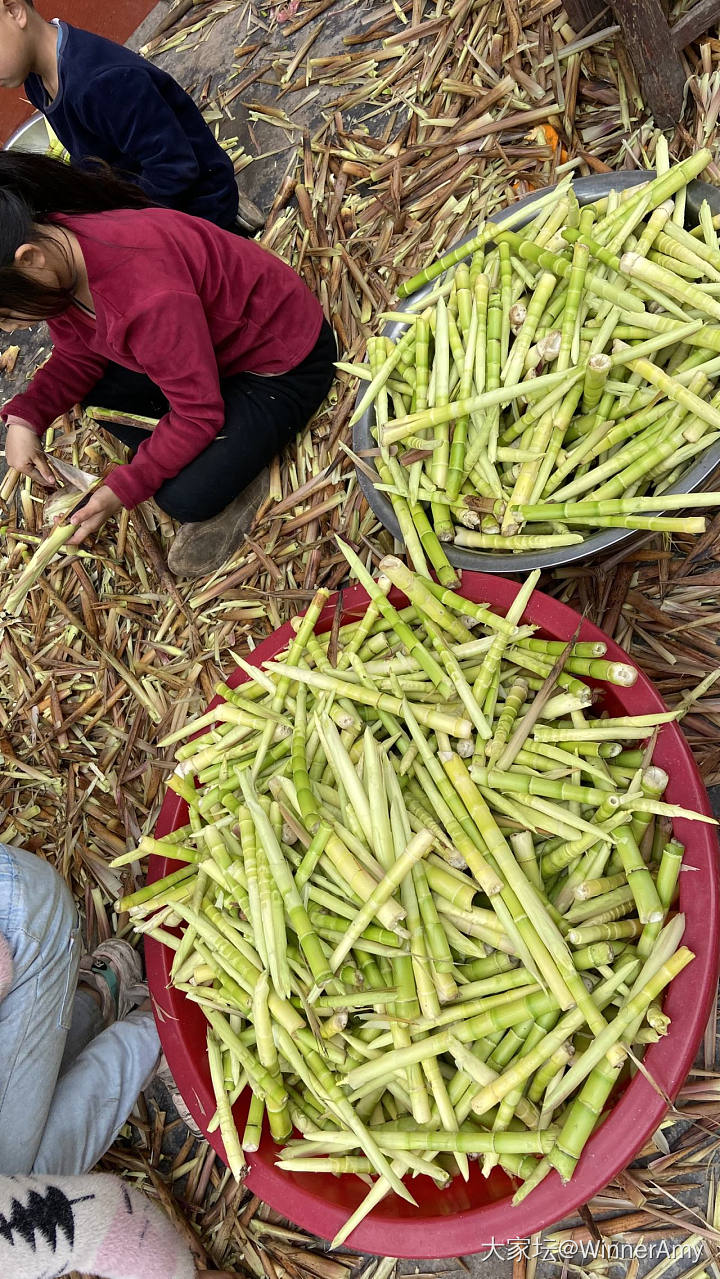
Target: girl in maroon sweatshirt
<point>160,314</point>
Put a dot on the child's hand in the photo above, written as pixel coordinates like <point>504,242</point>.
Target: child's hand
<point>24,452</point>
<point>94,513</point>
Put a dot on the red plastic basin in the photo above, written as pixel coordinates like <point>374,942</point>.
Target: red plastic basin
<point>470,1217</point>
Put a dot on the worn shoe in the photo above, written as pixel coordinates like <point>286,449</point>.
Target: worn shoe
<point>200,548</point>
<point>249,217</point>
<point>164,1074</point>
<point>114,970</point>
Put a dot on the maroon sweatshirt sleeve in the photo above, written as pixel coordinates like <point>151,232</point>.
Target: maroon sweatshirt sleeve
<point>67,377</point>
<point>171,341</point>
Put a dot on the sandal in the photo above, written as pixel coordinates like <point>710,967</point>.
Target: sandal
<point>114,970</point>
<point>164,1074</point>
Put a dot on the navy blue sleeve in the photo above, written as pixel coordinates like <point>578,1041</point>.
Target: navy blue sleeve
<point>133,114</point>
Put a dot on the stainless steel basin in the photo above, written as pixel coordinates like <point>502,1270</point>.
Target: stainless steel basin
<point>599,544</point>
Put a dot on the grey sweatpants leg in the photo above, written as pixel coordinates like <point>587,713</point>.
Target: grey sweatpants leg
<point>58,1115</point>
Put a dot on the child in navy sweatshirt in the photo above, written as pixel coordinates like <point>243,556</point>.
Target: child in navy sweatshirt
<point>105,102</point>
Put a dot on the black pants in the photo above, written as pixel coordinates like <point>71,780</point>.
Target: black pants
<point>262,414</point>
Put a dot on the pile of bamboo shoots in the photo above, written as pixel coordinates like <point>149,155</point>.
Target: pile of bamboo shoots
<point>424,897</point>
<point>559,378</point>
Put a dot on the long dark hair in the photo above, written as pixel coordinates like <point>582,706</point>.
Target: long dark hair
<point>32,189</point>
